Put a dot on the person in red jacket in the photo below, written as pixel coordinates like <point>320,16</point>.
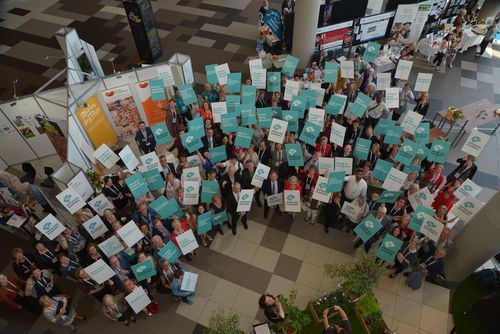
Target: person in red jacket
<point>324,147</point>
<point>446,197</point>
<point>11,292</point>
<point>179,227</point>
<point>308,178</point>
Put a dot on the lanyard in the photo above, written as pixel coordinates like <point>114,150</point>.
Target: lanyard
<point>95,284</point>
<point>23,265</point>
<point>43,282</point>
<point>428,264</point>
<point>114,190</point>
<point>72,238</point>
<point>146,220</point>
<point>51,256</point>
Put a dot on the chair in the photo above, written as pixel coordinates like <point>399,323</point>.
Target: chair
<point>30,173</point>
<point>48,182</point>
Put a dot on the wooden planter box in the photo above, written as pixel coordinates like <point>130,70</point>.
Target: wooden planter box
<point>366,330</point>
<point>317,318</point>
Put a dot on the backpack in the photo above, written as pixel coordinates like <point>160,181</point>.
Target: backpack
<point>414,280</point>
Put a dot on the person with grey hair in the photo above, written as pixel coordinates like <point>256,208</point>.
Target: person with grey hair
<point>360,204</point>
<point>386,222</point>
<point>58,309</point>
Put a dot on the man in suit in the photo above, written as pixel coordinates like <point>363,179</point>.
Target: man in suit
<point>232,200</point>
<point>264,153</point>
<point>466,170</point>
<point>167,167</point>
<point>272,186</point>
<point>229,179</point>
<point>246,181</point>
<point>279,160</point>
<point>145,139</point>
<point>209,140</point>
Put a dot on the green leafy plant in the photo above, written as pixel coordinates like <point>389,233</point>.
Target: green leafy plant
<point>222,322</point>
<point>94,178</point>
<point>366,305</point>
<point>456,113</point>
<point>330,299</point>
<point>376,323</point>
<point>360,275</point>
<point>296,319</point>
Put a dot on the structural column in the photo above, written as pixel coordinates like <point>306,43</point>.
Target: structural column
<point>304,30</point>
<point>489,8</point>
<point>478,241</point>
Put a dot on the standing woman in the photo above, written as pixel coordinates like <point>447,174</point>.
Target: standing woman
<point>116,309</point>
<point>405,96</point>
<point>333,217</point>
<point>443,48</point>
<point>217,206</point>
<point>293,184</point>
<point>264,7</point>
<point>59,310</point>
<point>422,104</point>
<point>200,209</point>
<point>456,39</point>
<point>206,111</point>
<point>114,191</point>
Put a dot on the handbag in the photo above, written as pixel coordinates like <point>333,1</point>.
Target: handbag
<point>153,308</point>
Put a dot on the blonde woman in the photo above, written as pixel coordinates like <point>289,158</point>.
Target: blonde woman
<point>293,184</point>
<point>58,310</point>
<point>116,309</point>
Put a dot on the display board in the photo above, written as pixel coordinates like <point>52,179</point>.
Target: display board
<point>373,27</point>
<point>18,149</point>
<point>333,12</point>
<point>334,36</point>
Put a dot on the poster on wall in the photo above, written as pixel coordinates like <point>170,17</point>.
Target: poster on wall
<point>152,109</point>
<point>55,135</point>
<point>419,22</point>
<point>403,21</point>
<point>123,109</point>
<point>96,124</point>
<point>28,126</point>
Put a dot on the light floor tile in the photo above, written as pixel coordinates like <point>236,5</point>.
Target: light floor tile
<point>407,311</point>
<point>468,83</point>
<point>209,309</point>
<point>295,247</point>
<point>224,243</point>
<point>113,10</point>
<point>246,323</point>
<point>339,257</point>
<point>246,302</point>
<point>467,65</point>
<point>265,259</point>
<point>387,301</point>
<point>206,283</point>
<point>304,295</point>
<point>317,254</point>
<point>280,286</point>
<point>436,296</point>
<point>254,233</point>
<point>329,284</point>
<point>23,50</point>
<point>434,321</point>
<point>391,285</point>
<point>230,47</point>
<point>200,41</point>
<point>311,275</point>
<point>405,291</point>
<point>244,251</point>
<point>403,328</point>
<point>193,311</point>
<point>485,77</point>
<point>225,293</point>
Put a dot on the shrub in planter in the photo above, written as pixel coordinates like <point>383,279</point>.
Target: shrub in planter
<point>296,319</point>
<point>220,322</point>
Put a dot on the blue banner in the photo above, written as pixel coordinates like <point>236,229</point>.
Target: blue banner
<point>272,19</point>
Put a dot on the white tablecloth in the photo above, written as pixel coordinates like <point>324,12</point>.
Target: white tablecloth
<point>470,39</point>
<point>425,48</point>
<point>383,64</point>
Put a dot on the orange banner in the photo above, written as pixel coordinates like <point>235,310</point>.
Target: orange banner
<point>152,109</point>
<point>96,124</point>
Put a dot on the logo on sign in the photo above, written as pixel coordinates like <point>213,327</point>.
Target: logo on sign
<point>290,197</point>
<point>140,269</point>
<point>420,215</point>
<point>67,198</point>
<point>292,151</point>
<point>420,151</point>
<point>276,127</point>
<point>387,195</point>
<point>389,244</point>
<point>47,226</point>
<point>158,131</point>
<point>420,130</point>
<point>369,224</point>
<point>467,187</point>
<point>431,224</point>
<point>190,175</point>
<point>98,203</point>
<point>309,129</point>
<point>260,171</point>
<point>149,160</point>
<point>476,139</point>
<point>272,78</point>
<point>322,185</point>
<point>244,197</point>
<point>189,189</point>
<point>297,103</point>
<point>288,117</point>
<point>407,148</point>
<point>438,148</point>
<point>422,196</point>
<point>189,139</point>
<point>92,225</point>
<point>469,205</point>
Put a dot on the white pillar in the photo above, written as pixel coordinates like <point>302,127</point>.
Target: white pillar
<point>304,30</point>
<point>478,241</point>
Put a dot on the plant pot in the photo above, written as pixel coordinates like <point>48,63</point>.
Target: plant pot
<point>351,297</point>
<point>364,325</point>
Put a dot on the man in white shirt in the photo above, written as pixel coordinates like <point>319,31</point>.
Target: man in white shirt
<point>355,185</point>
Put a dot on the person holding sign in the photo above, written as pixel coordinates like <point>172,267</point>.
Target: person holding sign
<point>178,228</point>
<point>466,169</point>
<point>116,309</point>
<point>90,287</point>
<point>166,272</point>
<point>232,200</point>
<point>406,258</point>
<point>59,310</point>
<point>313,208</point>
<point>422,106</point>
<point>272,186</point>
<point>200,210</point>
<point>446,197</point>
<point>354,186</point>
<point>115,192</point>
<point>145,139</point>
<point>293,184</point>
<point>333,217</point>
<point>176,288</point>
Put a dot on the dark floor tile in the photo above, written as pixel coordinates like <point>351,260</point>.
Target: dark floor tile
<point>274,239</point>
<point>183,2</point>
<point>19,11</point>
<point>165,26</point>
<point>214,7</point>
<point>288,267</point>
<point>469,74</point>
<point>257,280</point>
<point>239,58</point>
<point>241,19</point>
<point>192,24</point>
<point>184,38</point>
<point>486,180</point>
<point>484,87</point>
<point>118,49</point>
<point>222,265</point>
<point>282,223</point>
<point>220,44</point>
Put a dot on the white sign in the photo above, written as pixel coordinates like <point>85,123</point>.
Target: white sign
<point>259,77</point>
<point>187,242</point>
<point>383,81</point>
<point>128,157</point>
<point>317,116</point>
<point>475,143</point>
<point>111,246</point>
<point>50,227</point>
<point>81,185</point>
<point>423,82</point>
<point>292,201</point>
<point>467,189</point>
<point>347,69</point>
<point>16,221</point>
<point>343,165</point>
<point>151,161</point>
<point>291,88</point>
<point>326,165</point>
<point>189,281</point>
<point>275,199</point>
<point>130,233</point>
<point>222,71</point>
<point>403,70</point>
<point>191,174</point>
<point>191,192</point>
<point>194,160</point>
<point>254,64</point>
<point>431,227</point>
<point>71,200</point>
<point>106,156</point>
<point>165,73</point>
<point>99,271</point>
<point>138,299</point>
<point>245,202</point>
<point>95,226</point>
<point>422,197</point>
<point>467,208</point>
<point>394,180</point>
<point>351,210</point>
<point>392,97</point>
<point>261,173</point>
<point>100,203</point>
<point>411,121</point>
<point>337,134</point>
<point>277,131</point>
<point>320,192</point>
<point>218,109</point>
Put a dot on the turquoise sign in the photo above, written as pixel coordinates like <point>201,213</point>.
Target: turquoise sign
<point>389,248</point>
<point>368,227</point>
<point>205,222</point>
<point>136,185</point>
<point>243,137</point>
<point>294,155</point>
<point>331,72</point>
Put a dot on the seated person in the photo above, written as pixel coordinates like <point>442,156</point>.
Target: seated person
<point>345,327</point>
<point>272,308</point>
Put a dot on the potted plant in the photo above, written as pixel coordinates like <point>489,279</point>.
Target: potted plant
<point>220,322</point>
<point>367,310</point>
<point>359,275</point>
<point>454,113</point>
<point>296,319</point>
<point>316,307</point>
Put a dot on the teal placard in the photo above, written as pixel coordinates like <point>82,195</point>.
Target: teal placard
<point>218,154</point>
<point>153,179</point>
<point>220,218</point>
<point>205,222</point>
<point>335,181</point>
<point>368,227</point>
<point>407,151</point>
<point>161,206</point>
<point>310,98</point>
<point>187,94</point>
<point>229,123</point>
<point>382,126</point>
<point>382,169</point>
<point>157,90</point>
<point>170,252</point>
<point>289,66</point>
<point>417,217</point>
<point>293,120</point>
<point>294,155</point>
<point>191,141</point>
<point>234,82</point>
<point>144,270</point>
<point>336,104</point>
<point>208,190</point>
<point>247,112</point>
<point>422,151</point>
<point>371,52</point>
<point>360,105</point>
<point>161,133</point>
<point>298,104</point>
<point>248,94</point>
<point>389,248</point>
<point>393,135</point>
<point>243,137</point>
<point>264,117</point>
<point>439,151</point>
<point>331,72</point>
<point>411,168</point>
<point>196,127</point>
<point>389,196</point>
<point>136,185</point>
<point>273,82</point>
<point>276,112</point>
<point>211,76</point>
<point>232,103</point>
<point>421,133</point>
<point>310,133</point>
<point>362,148</point>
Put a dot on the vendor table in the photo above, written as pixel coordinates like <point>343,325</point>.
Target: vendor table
<point>470,38</point>
<point>383,64</point>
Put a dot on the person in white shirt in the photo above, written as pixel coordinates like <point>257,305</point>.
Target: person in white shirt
<point>353,221</point>
<point>355,185</point>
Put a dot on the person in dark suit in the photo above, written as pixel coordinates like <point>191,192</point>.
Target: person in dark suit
<point>272,186</point>
<point>332,212</point>
<point>246,180</point>
<point>232,204</point>
<point>167,167</point>
<point>264,154</point>
<point>228,180</point>
<point>145,139</point>
<point>209,141</point>
<point>466,169</point>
